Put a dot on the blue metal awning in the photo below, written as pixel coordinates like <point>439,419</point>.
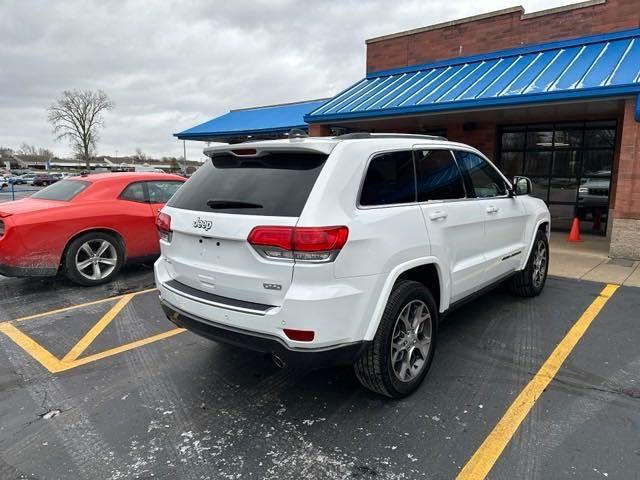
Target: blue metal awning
<point>272,119</point>
<point>589,67</point>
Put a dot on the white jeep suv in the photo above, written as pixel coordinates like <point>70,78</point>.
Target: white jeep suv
<point>346,249</point>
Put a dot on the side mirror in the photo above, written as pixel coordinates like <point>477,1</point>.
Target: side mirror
<point>522,186</point>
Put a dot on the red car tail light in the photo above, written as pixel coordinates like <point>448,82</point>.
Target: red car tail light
<point>1,228</point>
<point>163,223</point>
<point>309,244</point>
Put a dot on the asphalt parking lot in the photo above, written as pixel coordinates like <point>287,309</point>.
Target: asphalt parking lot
<point>20,191</point>
<point>93,388</point>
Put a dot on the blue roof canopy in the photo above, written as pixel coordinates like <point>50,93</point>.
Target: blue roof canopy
<point>272,119</point>
<point>589,67</point>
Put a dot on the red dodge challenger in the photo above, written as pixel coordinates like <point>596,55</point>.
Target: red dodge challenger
<point>86,227</point>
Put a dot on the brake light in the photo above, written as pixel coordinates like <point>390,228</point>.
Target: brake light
<point>163,223</point>
<point>309,244</point>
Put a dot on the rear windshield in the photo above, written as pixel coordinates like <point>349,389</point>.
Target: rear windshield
<point>63,190</point>
<point>274,184</point>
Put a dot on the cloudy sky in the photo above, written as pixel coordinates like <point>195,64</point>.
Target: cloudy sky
<point>169,65</point>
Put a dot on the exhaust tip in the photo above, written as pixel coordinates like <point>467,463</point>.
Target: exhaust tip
<point>278,362</point>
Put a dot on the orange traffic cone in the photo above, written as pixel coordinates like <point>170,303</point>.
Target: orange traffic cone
<point>574,233</point>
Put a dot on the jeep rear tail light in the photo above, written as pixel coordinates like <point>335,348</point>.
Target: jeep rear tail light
<point>305,244</point>
<point>163,223</point>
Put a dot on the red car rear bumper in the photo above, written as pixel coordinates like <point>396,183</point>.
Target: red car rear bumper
<point>17,261</point>
<point>17,271</point>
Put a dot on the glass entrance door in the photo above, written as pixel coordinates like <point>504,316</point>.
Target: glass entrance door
<point>569,165</point>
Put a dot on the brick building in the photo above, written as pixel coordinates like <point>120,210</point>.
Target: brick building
<point>553,95</point>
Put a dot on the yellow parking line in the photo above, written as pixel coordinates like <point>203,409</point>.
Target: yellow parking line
<point>121,348</point>
<point>94,331</point>
<point>38,352</point>
<point>485,457</point>
<point>79,305</point>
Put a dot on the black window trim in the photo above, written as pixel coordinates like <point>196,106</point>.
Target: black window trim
<point>415,148</point>
<point>455,160</point>
<point>366,170</point>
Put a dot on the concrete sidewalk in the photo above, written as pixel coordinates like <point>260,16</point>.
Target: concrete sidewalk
<point>589,260</point>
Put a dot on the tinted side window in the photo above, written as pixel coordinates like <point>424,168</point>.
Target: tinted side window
<point>134,192</point>
<point>389,179</point>
<point>62,191</point>
<point>438,176</point>
<point>161,192</point>
<point>481,177</point>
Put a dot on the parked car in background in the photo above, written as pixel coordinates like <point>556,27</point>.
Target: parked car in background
<point>4,182</point>
<point>44,179</point>
<point>28,178</point>
<point>84,227</point>
<point>16,180</point>
<point>593,195</point>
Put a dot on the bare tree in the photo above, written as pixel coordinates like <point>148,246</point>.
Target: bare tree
<point>32,154</point>
<point>139,156</point>
<point>77,117</point>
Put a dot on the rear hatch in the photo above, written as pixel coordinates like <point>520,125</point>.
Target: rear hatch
<point>215,211</point>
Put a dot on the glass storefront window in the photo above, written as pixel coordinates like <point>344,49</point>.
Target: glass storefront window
<point>540,188</point>
<point>600,138</point>
<point>597,162</point>
<point>563,190</point>
<point>542,138</point>
<point>512,163</point>
<point>537,163</point>
<point>566,163</point>
<point>569,165</point>
<point>567,139</point>
<point>513,140</point>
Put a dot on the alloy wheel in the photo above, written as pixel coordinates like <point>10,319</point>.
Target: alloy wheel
<point>539,264</point>
<point>411,341</point>
<point>96,259</point>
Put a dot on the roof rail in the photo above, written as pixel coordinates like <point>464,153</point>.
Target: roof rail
<point>362,135</point>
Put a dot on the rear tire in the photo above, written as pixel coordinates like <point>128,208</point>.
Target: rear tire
<point>93,258</point>
<point>397,360</point>
<point>530,281</point>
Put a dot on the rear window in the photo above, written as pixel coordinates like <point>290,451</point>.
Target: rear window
<point>274,184</point>
<point>63,190</point>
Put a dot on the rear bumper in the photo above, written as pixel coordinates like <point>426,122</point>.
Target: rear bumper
<point>317,357</point>
<point>13,271</point>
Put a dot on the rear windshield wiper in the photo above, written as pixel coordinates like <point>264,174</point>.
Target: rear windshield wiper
<point>231,204</point>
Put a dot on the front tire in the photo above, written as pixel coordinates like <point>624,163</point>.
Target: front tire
<point>530,281</point>
<point>93,258</point>
<point>397,360</point>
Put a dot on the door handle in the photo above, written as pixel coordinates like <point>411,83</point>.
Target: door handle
<point>492,209</point>
<point>438,215</point>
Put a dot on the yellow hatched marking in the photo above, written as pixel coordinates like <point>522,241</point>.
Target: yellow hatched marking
<point>80,305</point>
<point>488,453</point>
<point>71,360</point>
<point>33,348</point>
<point>94,331</point>
<point>121,348</point>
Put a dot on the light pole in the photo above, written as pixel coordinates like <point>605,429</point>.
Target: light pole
<point>184,158</point>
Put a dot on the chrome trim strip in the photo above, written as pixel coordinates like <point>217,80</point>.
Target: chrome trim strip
<point>215,304</point>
